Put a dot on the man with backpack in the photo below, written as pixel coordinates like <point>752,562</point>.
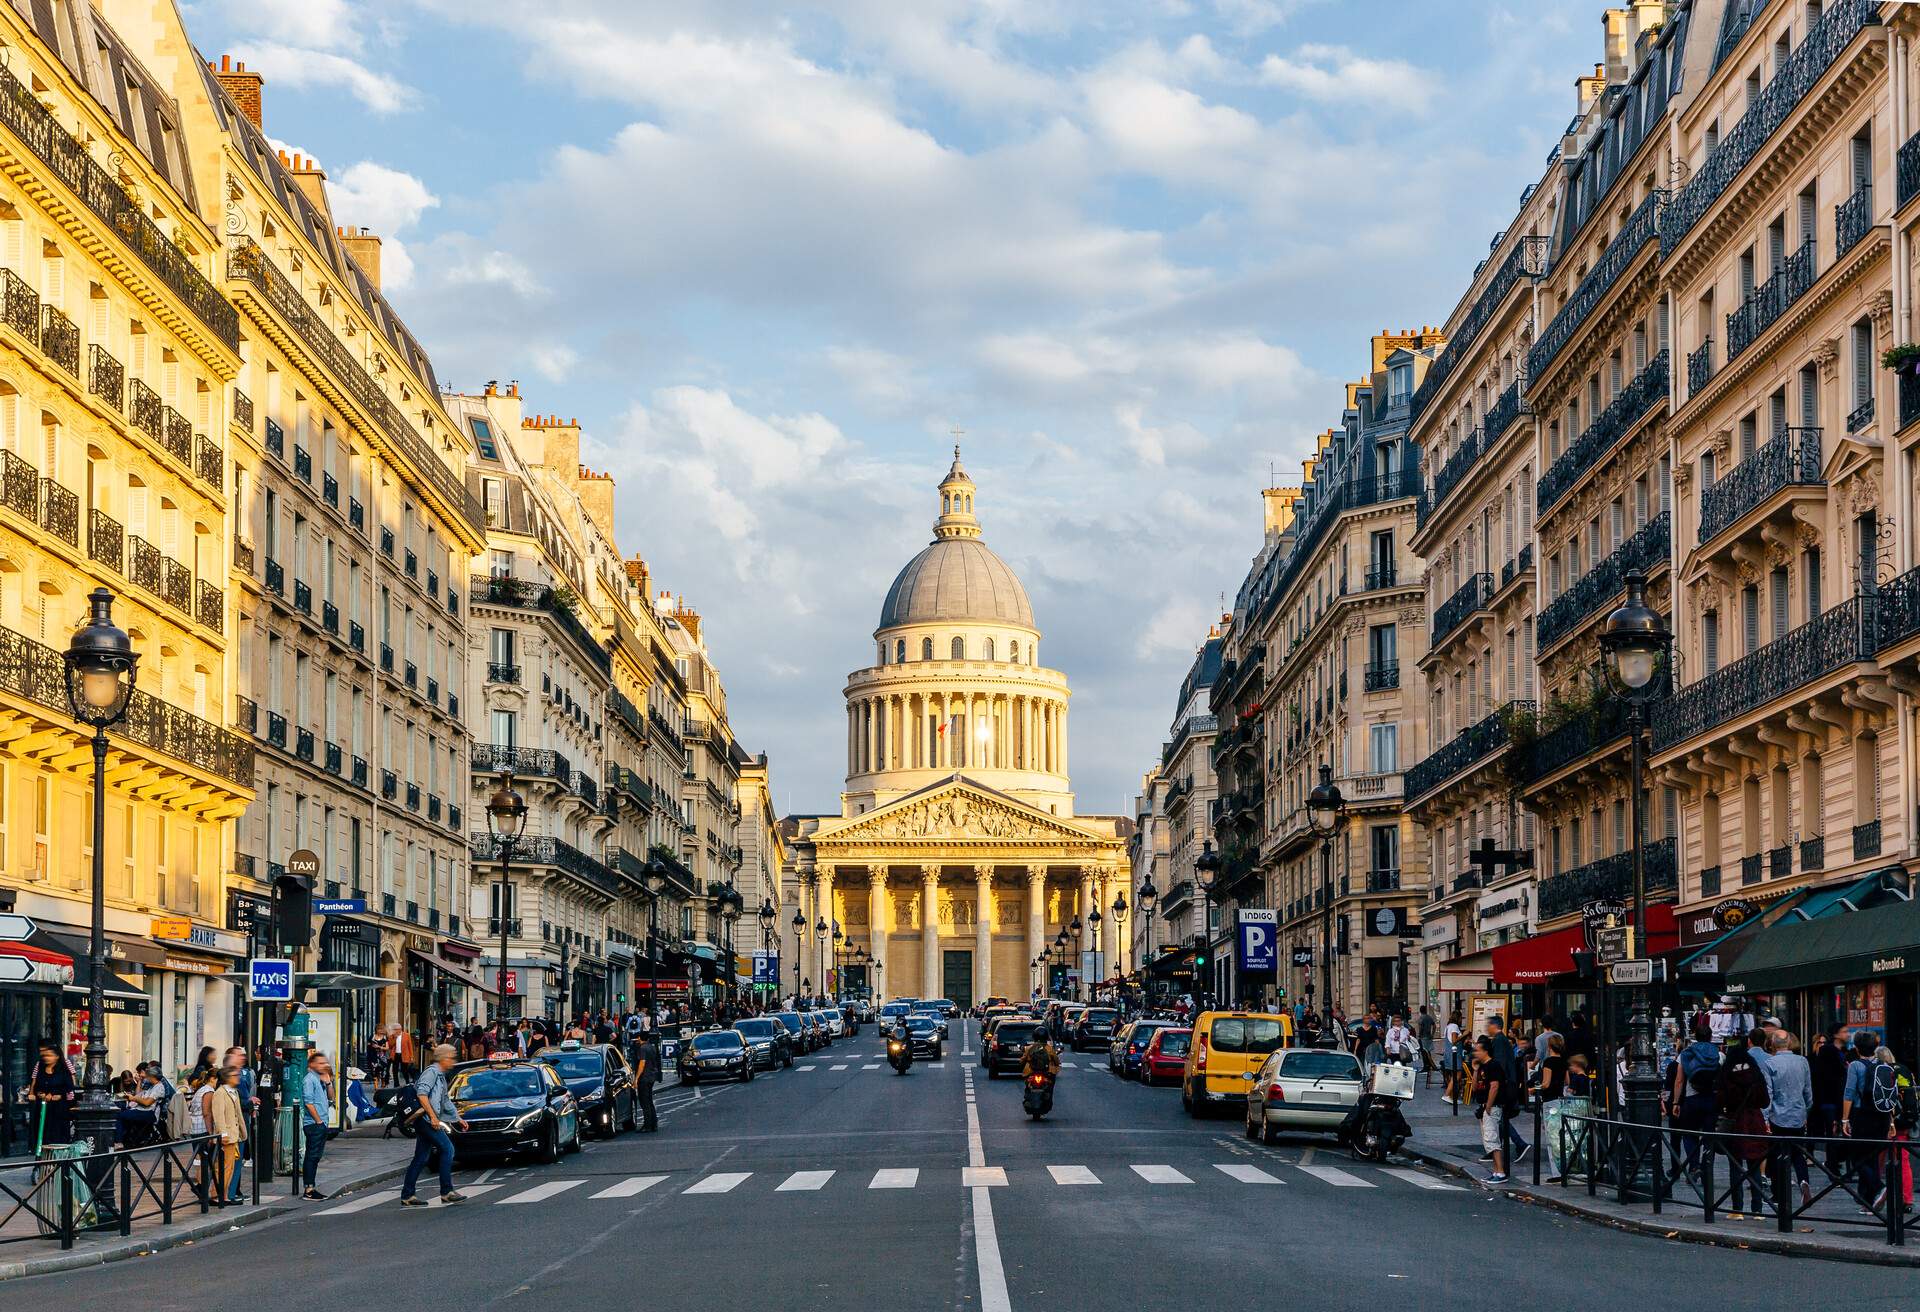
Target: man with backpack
<point>1866,1109</point>
<point>1696,1084</point>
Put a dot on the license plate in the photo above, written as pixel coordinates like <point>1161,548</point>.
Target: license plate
<point>715,1061</point>
<point>1321,1097</point>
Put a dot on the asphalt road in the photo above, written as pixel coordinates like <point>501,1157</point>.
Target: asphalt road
<point>847,1186</point>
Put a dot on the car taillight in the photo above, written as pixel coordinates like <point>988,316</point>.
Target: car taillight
<point>1276,1094</point>
<point>1200,1053</point>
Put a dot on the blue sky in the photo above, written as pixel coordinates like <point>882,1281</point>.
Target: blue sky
<point>770,254</point>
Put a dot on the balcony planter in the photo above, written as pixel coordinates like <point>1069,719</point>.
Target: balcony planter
<point>1903,359</point>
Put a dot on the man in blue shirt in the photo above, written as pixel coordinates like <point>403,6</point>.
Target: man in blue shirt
<point>431,1140</point>
<point>316,1112</point>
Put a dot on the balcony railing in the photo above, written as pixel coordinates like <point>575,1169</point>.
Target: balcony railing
<point>19,487</point>
<point>1455,470</point>
<point>1909,398</point>
<point>1528,259</point>
<point>504,591</point>
<point>332,758</point>
<point>176,585</point>
<point>1790,460</point>
<point>491,758</point>
<point>106,540</point>
<point>60,339</point>
<point>1832,642</point>
<point>303,744</point>
<point>389,785</point>
<point>1780,862</point>
<point>1471,745</point>
<point>243,409</point>
<point>1640,229</point>
<point>356,513</point>
<point>1908,171</point>
<point>547,851</point>
<point>106,378</point>
<point>1791,82</point>
<point>1511,405</point>
<point>1608,879</point>
<point>302,464</point>
<point>277,729</point>
<point>1699,367</point>
<point>60,512</point>
<point>1763,308</point>
<point>1866,839</point>
<point>1647,548</point>
<point>209,605</point>
<point>19,306</point>
<point>356,635</point>
<point>1852,219</point>
<point>330,617</point>
<point>1382,676</point>
<point>302,597</point>
<point>1577,739</point>
<point>176,434</point>
<point>247,262</point>
<point>143,563</point>
<point>1813,853</point>
<point>1752,869</point>
<point>68,158</point>
<point>1860,416</point>
<point>1468,598</point>
<point>1632,404</point>
<point>1381,576</point>
<point>209,461</point>
<point>1383,880</point>
<point>276,577</point>
<point>1520,564</point>
<point>1710,882</point>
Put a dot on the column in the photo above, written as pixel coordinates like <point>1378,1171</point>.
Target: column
<point>1062,769</point>
<point>1026,733</point>
<point>929,931</point>
<point>878,907</point>
<point>823,952</point>
<point>873,733</point>
<point>1110,942</point>
<point>1036,916</point>
<point>850,740</point>
<point>1087,944</point>
<point>982,933</point>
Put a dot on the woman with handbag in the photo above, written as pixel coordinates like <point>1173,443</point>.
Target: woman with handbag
<point>51,1091</point>
<point>230,1123</point>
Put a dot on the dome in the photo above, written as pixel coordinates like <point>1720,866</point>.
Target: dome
<point>956,580</point>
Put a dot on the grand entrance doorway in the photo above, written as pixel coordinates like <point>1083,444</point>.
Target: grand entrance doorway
<point>957,977</point>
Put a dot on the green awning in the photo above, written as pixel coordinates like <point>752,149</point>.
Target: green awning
<point>1848,897</point>
<point>1728,949</point>
<point>1835,949</point>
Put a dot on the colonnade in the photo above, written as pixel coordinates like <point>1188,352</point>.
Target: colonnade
<point>941,731</point>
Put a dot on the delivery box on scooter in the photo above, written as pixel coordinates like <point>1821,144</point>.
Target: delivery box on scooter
<point>1391,1080</point>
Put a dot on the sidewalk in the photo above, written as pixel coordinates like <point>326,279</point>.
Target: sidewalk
<point>1452,1143</point>
<point>354,1160</point>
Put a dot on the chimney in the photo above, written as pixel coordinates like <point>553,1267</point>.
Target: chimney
<point>1589,89</point>
<point>243,85</point>
<point>1618,43</point>
<point>363,248</point>
<point>596,494</point>
<point>312,181</point>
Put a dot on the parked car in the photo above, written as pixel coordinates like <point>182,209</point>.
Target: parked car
<point>799,1033</point>
<point>599,1078</point>
<point>1129,1044</point>
<point>1093,1028</point>
<point>1165,1056</point>
<point>513,1105</point>
<point>821,1023</point>
<point>768,1042</point>
<point>1302,1089</point>
<point>1002,1051</point>
<point>715,1055</point>
<point>1228,1048</point>
<point>835,1022</point>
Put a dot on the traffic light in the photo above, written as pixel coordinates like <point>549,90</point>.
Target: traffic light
<point>292,911</point>
<point>1199,959</point>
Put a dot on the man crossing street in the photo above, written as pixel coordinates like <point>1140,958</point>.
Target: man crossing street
<point>432,1141</point>
<point>646,1074</point>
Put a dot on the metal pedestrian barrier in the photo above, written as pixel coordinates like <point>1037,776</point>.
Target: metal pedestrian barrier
<point>1808,1179</point>
<point>67,1194</point>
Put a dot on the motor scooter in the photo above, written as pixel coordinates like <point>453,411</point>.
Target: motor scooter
<point>1038,1098</point>
<point>1375,1128</point>
<point>899,1054</point>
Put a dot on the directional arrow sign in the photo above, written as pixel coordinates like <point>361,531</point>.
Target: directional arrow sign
<point>15,970</point>
<point>14,927</point>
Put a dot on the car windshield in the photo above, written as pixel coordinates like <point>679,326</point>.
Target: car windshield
<point>921,1023</point>
<point>1098,1014</point>
<point>1174,1044</point>
<point>832,1013</point>
<point>514,1082</point>
<point>1317,1065</point>
<point>1142,1034</point>
<point>1256,1034</point>
<point>791,1019</point>
<point>1014,1032</point>
<point>575,1065</point>
<point>724,1041</point>
<point>756,1029</point>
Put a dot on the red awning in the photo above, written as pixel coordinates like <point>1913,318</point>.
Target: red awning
<point>1538,959</point>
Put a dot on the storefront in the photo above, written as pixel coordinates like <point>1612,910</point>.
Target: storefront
<point>130,1016</point>
<point>1504,915</point>
<point>350,945</point>
<point>29,1016</point>
<point>457,991</point>
<point>1439,935</point>
<point>1550,976</point>
<point>619,975</point>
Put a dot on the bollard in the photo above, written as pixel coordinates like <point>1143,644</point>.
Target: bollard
<point>1539,1141</point>
<point>1782,1183</point>
<point>66,1205</point>
<point>166,1185</point>
<point>126,1195</point>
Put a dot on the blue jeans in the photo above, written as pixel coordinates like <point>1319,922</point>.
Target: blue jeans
<point>315,1145</point>
<point>429,1143</point>
<point>234,1191</point>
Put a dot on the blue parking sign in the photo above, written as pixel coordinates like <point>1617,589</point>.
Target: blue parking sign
<point>1259,939</point>
<point>269,979</point>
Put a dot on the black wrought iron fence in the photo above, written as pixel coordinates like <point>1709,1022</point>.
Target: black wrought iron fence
<point>65,1198</point>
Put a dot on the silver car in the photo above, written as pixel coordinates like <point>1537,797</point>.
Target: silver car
<point>934,1014</point>
<point>1309,1089</point>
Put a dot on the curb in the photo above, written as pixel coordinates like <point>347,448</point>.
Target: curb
<point>1692,1232</point>
<point>207,1227</point>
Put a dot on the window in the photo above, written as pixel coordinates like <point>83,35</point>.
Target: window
<point>500,650</point>
<point>1777,600</point>
<point>1750,617</point>
<point>1810,563</point>
<point>926,649</point>
<point>1749,440</point>
<point>986,652</point>
<point>1013,652</point>
<point>1866,779</point>
<point>1399,384</point>
<point>494,494</point>
<point>1866,533</point>
<point>1383,748</point>
<point>1384,841</point>
<point>1710,640</point>
<point>1862,364</point>
<point>1861,159</point>
<point>959,649</point>
<point>900,651</point>
<point>505,729</point>
<point>483,438</point>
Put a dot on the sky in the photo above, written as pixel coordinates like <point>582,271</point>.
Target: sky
<point>770,255</point>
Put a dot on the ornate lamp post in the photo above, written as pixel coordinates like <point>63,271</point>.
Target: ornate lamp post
<point>100,666</point>
<point>799,951</point>
<point>768,915</point>
<point>1148,895</point>
<point>506,821</point>
<point>1206,868</point>
<point>1079,951</point>
<point>1326,812</point>
<point>1099,957</point>
<point>656,883</point>
<point>731,907</point>
<point>820,928</point>
<point>1636,642</point>
<point>839,943</point>
<point>1119,912</point>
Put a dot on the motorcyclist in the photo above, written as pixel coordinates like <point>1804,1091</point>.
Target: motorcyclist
<point>901,1036</point>
<point>1040,1056</point>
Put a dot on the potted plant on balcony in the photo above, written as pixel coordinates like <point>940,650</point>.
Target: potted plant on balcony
<point>1902,359</point>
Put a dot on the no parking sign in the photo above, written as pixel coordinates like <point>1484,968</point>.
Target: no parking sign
<point>1259,940</point>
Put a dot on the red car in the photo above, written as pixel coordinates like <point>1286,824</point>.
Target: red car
<point>1166,1056</point>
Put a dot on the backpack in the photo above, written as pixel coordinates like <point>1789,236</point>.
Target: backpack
<point>1907,1114</point>
<point>1744,1087</point>
<point>1883,1088</point>
<point>1705,1080</point>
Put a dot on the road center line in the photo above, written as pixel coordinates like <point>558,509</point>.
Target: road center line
<point>986,1239</point>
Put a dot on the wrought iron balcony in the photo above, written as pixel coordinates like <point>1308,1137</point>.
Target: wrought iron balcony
<point>333,756</point>
<point>19,306</point>
<point>60,340</point>
<point>303,744</point>
<point>1645,550</point>
<point>210,605</point>
<point>1866,839</point>
<point>1470,597</point>
<point>412,565</point>
<point>19,487</point>
<point>433,584</point>
<point>547,851</point>
<point>1383,880</point>
<point>176,434</point>
<point>276,440</point>
<point>453,816</point>
<point>1907,170</point>
<point>433,809</point>
<point>1852,219</point>
<point>433,691</point>
<point>412,676</point>
<point>1640,229</point>
<point>247,714</point>
<point>453,704</point>
<point>302,464</point>
<point>1779,862</point>
<point>356,635</point>
<point>1608,879</point>
<point>106,378</point>
<point>1455,470</point>
<point>209,461</point>
<point>243,556</point>
<point>1763,308</point>
<point>1813,853</point>
<point>277,729</point>
<point>1832,642</point>
<point>539,762</point>
<point>106,540</point>
<point>1519,565</point>
<point>413,797</point>
<point>143,563</point>
<point>60,512</point>
<point>1382,675</point>
<point>389,785</point>
<point>1860,416</point>
<point>500,590</point>
<point>1752,869</point>
<point>1528,259</point>
<point>1381,576</point>
<point>386,658</point>
<point>1583,736</point>
<point>386,542</point>
<point>1504,412</point>
<point>329,489</point>
<point>358,772</point>
<point>1710,882</point>
<point>176,585</point>
<point>1468,747</point>
<point>243,409</point>
<point>500,672</point>
<point>276,577</point>
<point>1699,367</point>
<point>302,597</point>
<point>330,617</point>
<point>1633,403</point>
<point>1790,460</point>
<point>1792,80</point>
<point>356,513</point>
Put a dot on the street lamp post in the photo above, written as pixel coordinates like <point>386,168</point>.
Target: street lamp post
<point>820,928</point>
<point>1326,811</point>
<point>1099,972</point>
<point>1079,952</point>
<point>506,821</point>
<point>100,667</point>
<point>731,905</point>
<point>1636,642</point>
<point>1148,895</point>
<point>1119,910</point>
<point>839,977</point>
<point>1206,868</point>
<point>656,882</point>
<point>799,951</point>
<point>768,915</point>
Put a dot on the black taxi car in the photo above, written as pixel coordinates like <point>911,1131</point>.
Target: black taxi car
<point>715,1055</point>
<point>600,1081</point>
<point>512,1105</point>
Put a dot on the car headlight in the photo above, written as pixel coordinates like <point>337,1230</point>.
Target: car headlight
<point>589,1099</point>
<point>526,1121</point>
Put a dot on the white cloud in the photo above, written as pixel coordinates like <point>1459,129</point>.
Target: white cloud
<point>554,361</point>
<point>1336,75</point>
<point>385,199</point>
<point>313,24</point>
<point>1176,628</point>
<point>304,70</point>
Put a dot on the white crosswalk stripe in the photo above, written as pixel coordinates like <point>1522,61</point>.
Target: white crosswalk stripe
<point>541,1192</point>
<point>630,1186</point>
<point>1160,1175</point>
<point>1421,1179</point>
<point>719,1182</point>
<point>1246,1174</point>
<point>803,1181</point>
<point>1334,1175</point>
<point>871,1066</point>
<point>475,1190</point>
<point>895,1177</point>
<point>1072,1175</point>
<point>978,1175</point>
<point>839,1067</point>
<point>361,1204</point>
<point>806,1068</point>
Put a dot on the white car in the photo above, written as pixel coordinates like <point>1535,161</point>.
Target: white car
<point>1309,1089</point>
<point>836,1023</point>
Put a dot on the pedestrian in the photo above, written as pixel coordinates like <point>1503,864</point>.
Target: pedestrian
<point>1696,1083</point>
<point>1503,1052</point>
<point>1425,1030</point>
<point>1453,1060</point>
<point>202,1065</point>
<point>229,1121</point>
<point>1742,1100</point>
<point>1553,1088</point>
<point>1492,1094</point>
<point>1399,1042</point>
<point>431,1141</point>
<point>51,1091</point>
<point>316,1101</point>
<point>1575,1103</point>
<point>1543,1041</point>
<point>1789,1106</point>
<point>1829,1062</point>
<point>1579,1038</point>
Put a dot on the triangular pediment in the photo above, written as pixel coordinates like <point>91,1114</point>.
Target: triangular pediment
<point>957,810</point>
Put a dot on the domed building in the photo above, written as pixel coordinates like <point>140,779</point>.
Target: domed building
<point>957,858</point>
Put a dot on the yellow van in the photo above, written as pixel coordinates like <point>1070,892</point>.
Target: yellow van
<point>1227,1050</point>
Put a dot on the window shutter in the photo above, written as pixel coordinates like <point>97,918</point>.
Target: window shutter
<point>1710,639</point>
<point>1814,606</point>
<point>1779,585</point>
<point>1750,617</point>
